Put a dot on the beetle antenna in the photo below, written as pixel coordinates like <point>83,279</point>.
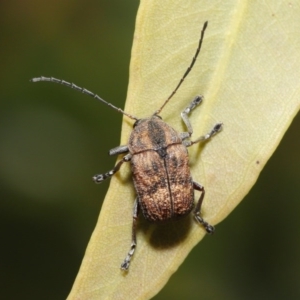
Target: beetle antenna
<point>188,69</point>
<point>82,90</point>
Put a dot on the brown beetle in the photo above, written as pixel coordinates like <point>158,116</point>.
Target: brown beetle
<point>159,163</point>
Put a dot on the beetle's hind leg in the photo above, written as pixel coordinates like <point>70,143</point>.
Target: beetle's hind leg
<point>98,178</point>
<point>126,262</point>
<point>209,228</point>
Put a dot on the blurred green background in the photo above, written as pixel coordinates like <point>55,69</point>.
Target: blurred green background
<point>52,140</point>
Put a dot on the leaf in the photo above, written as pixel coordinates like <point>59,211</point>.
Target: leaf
<point>249,72</point>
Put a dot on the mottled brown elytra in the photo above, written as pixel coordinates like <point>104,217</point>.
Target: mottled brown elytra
<point>159,162</point>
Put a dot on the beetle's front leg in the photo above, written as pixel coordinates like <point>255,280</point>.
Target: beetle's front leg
<point>184,115</point>
<point>217,128</point>
<point>126,262</point>
<point>98,178</point>
<point>209,228</point>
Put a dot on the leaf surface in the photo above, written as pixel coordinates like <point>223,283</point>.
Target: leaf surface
<point>249,73</point>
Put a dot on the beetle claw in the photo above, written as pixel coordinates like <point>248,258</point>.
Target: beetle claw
<point>125,265</point>
<point>209,228</point>
<point>99,178</point>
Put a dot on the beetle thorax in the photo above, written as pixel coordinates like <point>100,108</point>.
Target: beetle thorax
<point>152,134</point>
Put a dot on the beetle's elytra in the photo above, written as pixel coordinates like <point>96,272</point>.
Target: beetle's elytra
<point>161,177</point>
<point>159,163</point>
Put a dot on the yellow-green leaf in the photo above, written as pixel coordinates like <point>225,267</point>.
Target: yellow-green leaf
<point>249,73</point>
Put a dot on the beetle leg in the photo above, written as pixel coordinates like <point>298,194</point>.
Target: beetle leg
<point>118,150</point>
<point>184,115</point>
<point>217,128</point>
<point>126,262</point>
<point>98,178</point>
<point>209,228</point>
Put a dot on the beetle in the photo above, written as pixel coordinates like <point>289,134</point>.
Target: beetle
<point>159,162</point>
